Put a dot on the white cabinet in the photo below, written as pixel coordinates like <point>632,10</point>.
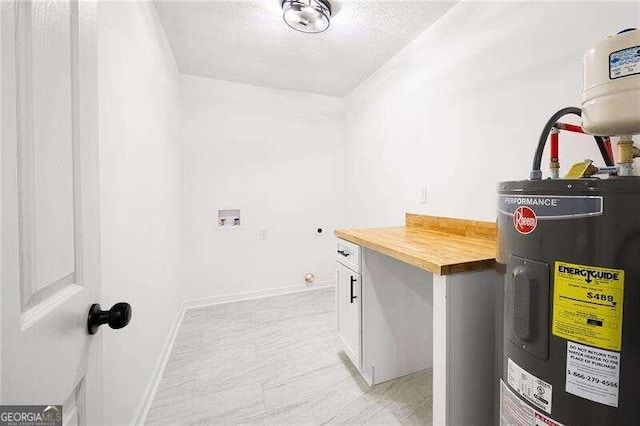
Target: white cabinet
<point>384,311</point>
<point>405,319</point>
<point>349,312</point>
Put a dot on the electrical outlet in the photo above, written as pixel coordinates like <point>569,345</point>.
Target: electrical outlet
<point>423,194</point>
<point>262,234</point>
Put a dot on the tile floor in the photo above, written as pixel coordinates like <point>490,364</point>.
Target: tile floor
<point>276,361</point>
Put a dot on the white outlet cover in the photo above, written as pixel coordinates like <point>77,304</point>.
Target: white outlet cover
<point>423,194</point>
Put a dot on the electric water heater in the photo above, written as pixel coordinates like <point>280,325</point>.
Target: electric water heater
<point>568,320</point>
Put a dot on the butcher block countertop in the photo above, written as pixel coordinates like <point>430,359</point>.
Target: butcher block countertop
<point>439,245</point>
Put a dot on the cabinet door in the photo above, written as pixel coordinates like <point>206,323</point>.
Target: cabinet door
<point>349,312</point>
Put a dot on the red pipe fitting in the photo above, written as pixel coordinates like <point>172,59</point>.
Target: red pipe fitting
<point>554,146</point>
<point>569,127</point>
<point>607,145</point>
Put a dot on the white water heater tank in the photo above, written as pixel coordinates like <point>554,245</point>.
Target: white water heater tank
<point>611,91</point>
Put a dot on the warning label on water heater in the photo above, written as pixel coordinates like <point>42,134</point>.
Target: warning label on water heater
<point>514,411</point>
<point>533,389</point>
<point>587,304</point>
<point>593,373</point>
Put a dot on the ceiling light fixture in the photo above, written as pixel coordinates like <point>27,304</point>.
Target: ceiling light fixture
<point>307,16</point>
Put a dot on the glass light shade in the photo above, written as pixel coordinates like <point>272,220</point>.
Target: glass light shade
<point>307,16</point>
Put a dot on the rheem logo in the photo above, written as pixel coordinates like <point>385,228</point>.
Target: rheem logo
<point>525,220</point>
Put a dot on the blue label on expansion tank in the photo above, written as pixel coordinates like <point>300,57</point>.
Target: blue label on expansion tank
<point>624,62</point>
<point>547,207</point>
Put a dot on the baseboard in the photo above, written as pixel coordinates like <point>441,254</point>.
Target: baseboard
<point>152,387</point>
<point>237,297</point>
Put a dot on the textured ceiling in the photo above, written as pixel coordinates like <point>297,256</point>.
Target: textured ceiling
<point>248,42</point>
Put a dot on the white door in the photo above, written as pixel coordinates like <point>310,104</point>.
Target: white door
<point>50,211</point>
<point>349,302</point>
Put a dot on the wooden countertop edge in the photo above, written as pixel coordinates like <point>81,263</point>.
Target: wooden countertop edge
<point>406,258</point>
<point>444,269</point>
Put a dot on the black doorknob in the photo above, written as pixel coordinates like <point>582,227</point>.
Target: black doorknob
<point>117,317</point>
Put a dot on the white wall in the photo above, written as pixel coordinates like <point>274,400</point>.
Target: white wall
<point>462,106</point>
<point>140,162</point>
<point>275,154</point>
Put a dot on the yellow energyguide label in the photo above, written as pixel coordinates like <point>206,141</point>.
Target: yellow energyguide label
<point>587,305</point>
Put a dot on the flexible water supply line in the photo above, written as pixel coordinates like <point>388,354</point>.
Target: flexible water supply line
<point>536,172</point>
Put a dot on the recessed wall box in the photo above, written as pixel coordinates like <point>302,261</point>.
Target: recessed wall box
<point>229,219</point>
